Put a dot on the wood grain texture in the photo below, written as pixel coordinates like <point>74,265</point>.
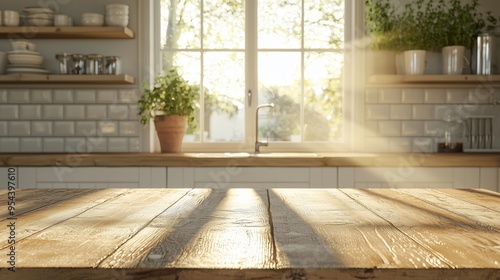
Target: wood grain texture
<point>327,229</point>
<point>227,229</point>
<point>456,240</point>
<point>256,234</point>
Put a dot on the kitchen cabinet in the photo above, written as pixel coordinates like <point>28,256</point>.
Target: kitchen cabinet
<point>67,32</point>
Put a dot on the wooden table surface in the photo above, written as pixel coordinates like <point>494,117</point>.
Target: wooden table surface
<point>251,234</point>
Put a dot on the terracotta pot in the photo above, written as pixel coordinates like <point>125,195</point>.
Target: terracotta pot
<point>170,131</point>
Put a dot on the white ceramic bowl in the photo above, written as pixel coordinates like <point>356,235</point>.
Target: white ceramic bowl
<point>116,12</point>
<point>36,21</point>
<point>91,19</point>
<point>25,59</point>
<point>117,21</point>
<point>23,46</point>
<point>117,6</point>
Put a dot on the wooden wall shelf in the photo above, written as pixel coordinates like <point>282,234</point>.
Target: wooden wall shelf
<point>433,79</point>
<point>66,79</point>
<point>67,32</point>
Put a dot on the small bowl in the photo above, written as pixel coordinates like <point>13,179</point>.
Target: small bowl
<point>91,19</point>
<point>117,21</point>
<point>117,6</point>
<point>116,12</point>
<point>25,59</point>
<point>23,46</point>
<point>36,21</point>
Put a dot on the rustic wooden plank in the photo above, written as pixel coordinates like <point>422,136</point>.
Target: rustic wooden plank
<point>457,240</point>
<point>326,229</point>
<point>226,229</point>
<point>32,199</point>
<point>479,213</point>
<point>250,274</point>
<point>83,241</point>
<point>30,223</point>
<point>485,198</point>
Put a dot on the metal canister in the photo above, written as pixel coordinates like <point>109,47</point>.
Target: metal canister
<point>483,54</point>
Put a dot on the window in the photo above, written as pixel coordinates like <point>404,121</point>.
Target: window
<point>245,53</point>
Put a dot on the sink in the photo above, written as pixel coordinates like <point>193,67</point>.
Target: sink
<point>259,155</point>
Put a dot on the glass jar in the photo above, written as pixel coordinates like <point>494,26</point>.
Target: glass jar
<point>454,134</point>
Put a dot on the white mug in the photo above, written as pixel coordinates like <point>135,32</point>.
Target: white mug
<point>11,18</point>
<point>414,62</point>
<point>453,60</point>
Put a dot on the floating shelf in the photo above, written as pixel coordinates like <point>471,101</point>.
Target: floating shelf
<point>67,32</point>
<point>66,79</point>
<point>443,79</point>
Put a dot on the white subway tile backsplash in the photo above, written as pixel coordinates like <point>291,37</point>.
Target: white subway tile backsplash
<point>118,112</point>
<point>4,128</point>
<point>400,145</point>
<point>85,96</point>
<point>63,96</point>
<point>129,128</point>
<point>64,128</point>
<point>41,96</point>
<point>96,144</point>
<point>423,145</point>
<point>9,112</point>
<point>423,112</point>
<point>75,145</point>
<point>107,96</point>
<point>413,96</point>
<point>457,96</point>
<point>377,144</point>
<point>3,96</point>
<point>392,96</point>
<point>441,111</point>
<point>133,112</point>
<point>74,112</point>
<point>128,96</point>
<point>41,128</point>
<point>433,128</point>
<point>31,145</point>
<point>371,128</point>
<point>412,128</point>
<point>401,112</point>
<point>19,128</point>
<point>10,145</point>
<point>390,128</point>
<point>437,96</point>
<point>118,144</point>
<point>96,112</point>
<point>371,96</point>
<point>134,145</point>
<point>53,112</point>
<point>378,112</point>
<point>484,95</point>
<point>30,112</point>
<point>108,128</point>
<point>86,128</point>
<point>53,145</point>
<point>18,96</point>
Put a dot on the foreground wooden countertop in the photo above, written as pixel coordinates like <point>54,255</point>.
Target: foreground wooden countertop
<point>251,234</point>
<point>244,159</point>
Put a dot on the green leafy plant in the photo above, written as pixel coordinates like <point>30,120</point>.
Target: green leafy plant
<point>171,95</point>
<point>382,23</point>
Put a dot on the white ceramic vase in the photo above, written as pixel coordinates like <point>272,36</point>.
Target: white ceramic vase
<point>414,62</point>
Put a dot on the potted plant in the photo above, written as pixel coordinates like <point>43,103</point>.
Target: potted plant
<point>171,104</point>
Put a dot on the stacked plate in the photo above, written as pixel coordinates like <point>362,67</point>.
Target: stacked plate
<point>38,16</point>
<point>25,62</point>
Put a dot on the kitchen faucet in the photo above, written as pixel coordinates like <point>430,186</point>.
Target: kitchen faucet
<point>257,143</point>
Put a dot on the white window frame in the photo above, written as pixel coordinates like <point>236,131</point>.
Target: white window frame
<point>353,107</point>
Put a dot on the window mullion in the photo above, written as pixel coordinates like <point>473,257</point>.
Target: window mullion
<point>251,68</point>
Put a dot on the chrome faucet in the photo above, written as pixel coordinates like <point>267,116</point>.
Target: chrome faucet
<point>257,143</point>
